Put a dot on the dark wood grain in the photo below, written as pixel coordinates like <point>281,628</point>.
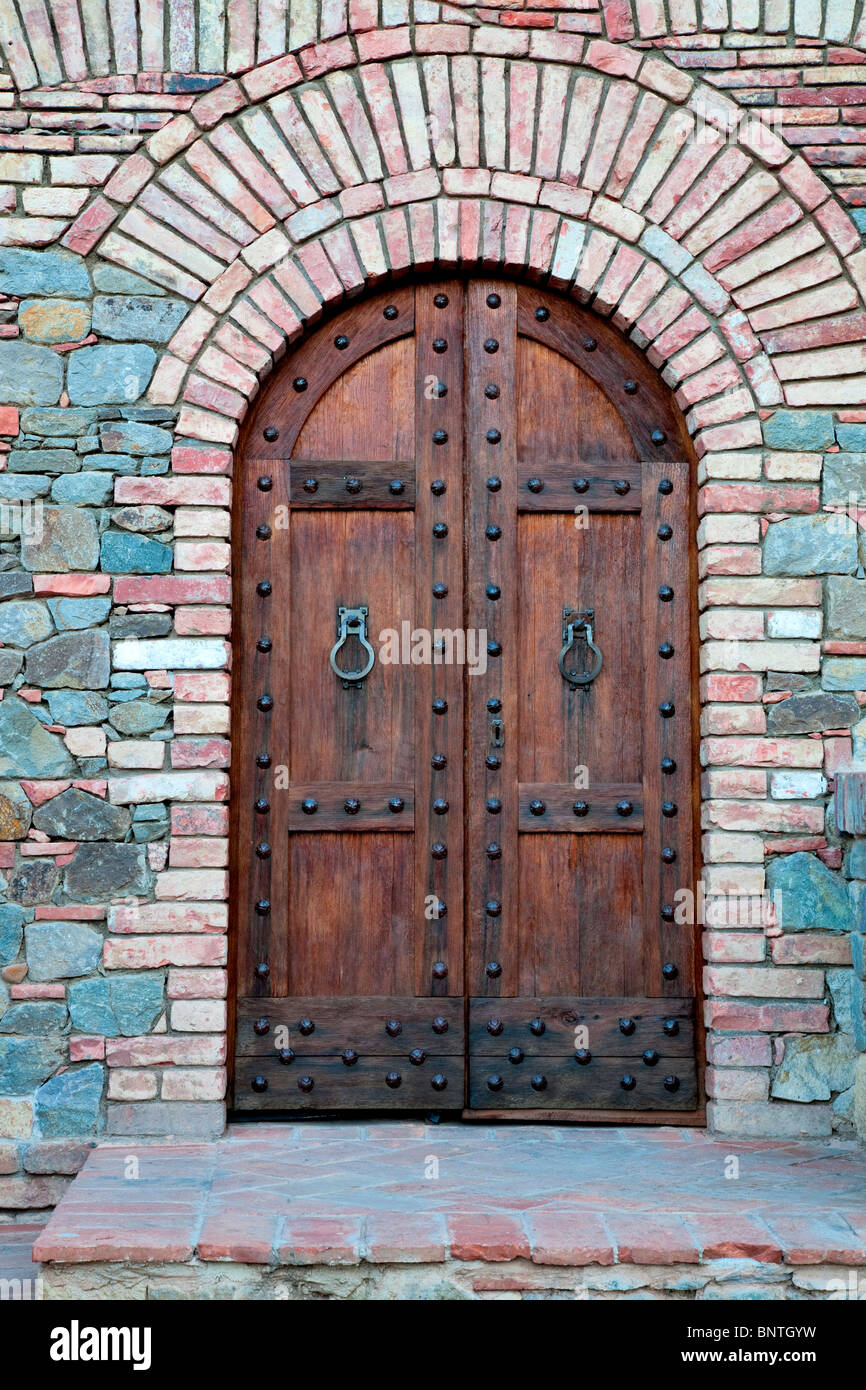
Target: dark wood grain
<point>559,814</point>
<point>495,1025</point>
<point>362,1086</point>
<point>492,941</point>
<point>358,1022</point>
<point>352,483</point>
<point>570,1086</point>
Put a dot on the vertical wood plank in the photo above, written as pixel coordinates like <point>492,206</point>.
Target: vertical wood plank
<point>665,608</point>
<point>438,939</point>
<point>492,936</point>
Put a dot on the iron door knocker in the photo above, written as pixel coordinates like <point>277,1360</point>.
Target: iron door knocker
<point>577,624</point>
<point>352,622</point>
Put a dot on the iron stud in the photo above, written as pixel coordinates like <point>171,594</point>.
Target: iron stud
<point>391,312</point>
<point>351,806</point>
<point>494,1083</point>
<point>581,808</point>
<point>669,970</point>
<point>440,970</point>
<point>439,345</point>
<point>309,806</point>
<point>494,1026</point>
<point>493,301</point>
<point>341,342</point>
<point>494,805</point>
<point>628,1082</point>
<point>271,433</point>
<point>624,808</point>
<point>583,1056</point>
<point>666,487</point>
<point>393,1080</point>
<point>441,301</point>
<point>264,483</point>
<point>393,1027</point>
<point>491,345</point>
<point>300,383</point>
<point>535,485</point>
<point>306,1027</point>
<point>538,1082</point>
<point>493,969</point>
<point>305,1083</point>
<point>515,1055</point>
<point>491,391</point>
<point>311,485</point>
<point>439,1082</point>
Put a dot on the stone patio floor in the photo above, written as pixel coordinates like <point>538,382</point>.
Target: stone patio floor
<point>331,1192</point>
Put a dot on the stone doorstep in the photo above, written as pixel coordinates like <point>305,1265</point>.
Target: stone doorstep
<point>345,1196</point>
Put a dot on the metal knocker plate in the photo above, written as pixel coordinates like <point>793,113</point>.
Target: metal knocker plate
<point>577,624</point>
<point>352,622</point>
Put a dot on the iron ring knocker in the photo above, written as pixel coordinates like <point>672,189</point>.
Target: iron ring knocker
<point>578,624</point>
<point>352,622</point>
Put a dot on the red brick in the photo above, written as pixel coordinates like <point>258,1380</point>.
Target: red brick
<point>652,1240</point>
<point>405,1238</point>
<point>568,1238</point>
<point>486,1236</point>
<point>332,1240</point>
<point>814,1240</point>
<point>731,1235</point>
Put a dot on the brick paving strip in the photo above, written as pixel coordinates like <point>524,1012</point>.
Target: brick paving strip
<point>337,1195</point>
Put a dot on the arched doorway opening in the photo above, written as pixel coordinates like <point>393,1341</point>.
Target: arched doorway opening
<point>463,772</point>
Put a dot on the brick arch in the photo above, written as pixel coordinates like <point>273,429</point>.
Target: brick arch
<point>612,175</point>
<point>202,38</point>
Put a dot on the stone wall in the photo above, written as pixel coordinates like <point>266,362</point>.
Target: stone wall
<point>183,188</point>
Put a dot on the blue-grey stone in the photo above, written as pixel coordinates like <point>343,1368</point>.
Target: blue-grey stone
<point>852,436</point>
<point>78,815</point>
<point>111,374</point>
<point>69,540</point>
<point>140,625</point>
<point>75,613</point>
<point>34,881</point>
<point>137,318</point>
<point>808,895</point>
<point>56,421</point>
<point>858,954</point>
<point>37,1017</point>
<point>130,437</point>
<point>809,713</point>
<point>11,931</point>
<point>840,982</point>
<point>139,717</point>
<point>857,895</point>
<point>151,466</point>
<point>799,429</point>
<point>144,517</point>
<point>24,272</point>
<point>127,680</point>
<point>815,1067</point>
<point>15,811</point>
<point>115,463</point>
<point>29,374</point>
<point>102,870</point>
<point>846,606</point>
<point>10,665</point>
<point>72,661</point>
<point>855,858</point>
<point>43,461</point>
<point>841,476</point>
<point>15,582</point>
<point>24,622</point>
<point>124,1005</point>
<point>25,1063</point>
<point>821,543</point>
<point>72,708</point>
<point>86,489</point>
<point>14,488</point>
<point>69,1103</point>
<point>844,673</point>
<point>26,748</point>
<point>125,552</point>
<point>112,280</point>
<point>61,950</point>
<point>4,996</point>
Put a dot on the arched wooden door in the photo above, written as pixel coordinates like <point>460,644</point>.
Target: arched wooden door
<point>457,848</point>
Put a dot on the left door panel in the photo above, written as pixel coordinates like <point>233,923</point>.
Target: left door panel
<point>350,930</point>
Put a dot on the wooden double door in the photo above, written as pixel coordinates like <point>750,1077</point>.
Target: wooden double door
<point>463,768</point>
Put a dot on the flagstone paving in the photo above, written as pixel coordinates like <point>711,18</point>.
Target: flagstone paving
<point>336,1193</point>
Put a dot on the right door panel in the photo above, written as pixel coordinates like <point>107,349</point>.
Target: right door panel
<point>582,979</point>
